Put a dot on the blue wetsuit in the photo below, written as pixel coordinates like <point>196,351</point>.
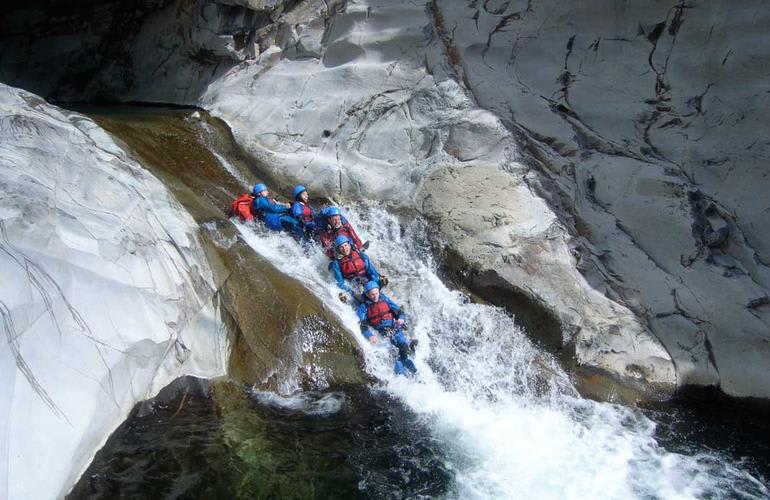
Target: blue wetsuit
<point>274,215</point>
<point>305,215</point>
<point>389,327</point>
<point>371,273</point>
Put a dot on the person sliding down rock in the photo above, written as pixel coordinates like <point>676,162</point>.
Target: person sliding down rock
<point>303,212</point>
<point>353,270</point>
<point>272,212</point>
<point>333,224</point>
<point>379,312</point>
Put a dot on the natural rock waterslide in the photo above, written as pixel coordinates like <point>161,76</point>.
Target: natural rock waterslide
<point>360,100</point>
<point>415,103</point>
<point>486,401</point>
<point>438,434</point>
<point>394,101</point>
<point>392,97</point>
<point>109,291</point>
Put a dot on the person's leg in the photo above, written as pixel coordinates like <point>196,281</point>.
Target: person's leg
<point>293,226</point>
<point>404,350</point>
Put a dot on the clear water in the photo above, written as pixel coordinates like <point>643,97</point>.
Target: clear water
<point>221,441</point>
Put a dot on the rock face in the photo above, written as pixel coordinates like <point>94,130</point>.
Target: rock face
<point>622,117</point>
<point>648,123</point>
<point>283,339</point>
<point>376,112</point>
<point>516,251</point>
<point>106,294</point>
<point>151,50</point>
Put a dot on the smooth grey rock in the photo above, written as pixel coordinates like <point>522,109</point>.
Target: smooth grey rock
<point>647,119</point>
<point>106,294</point>
<point>516,243</point>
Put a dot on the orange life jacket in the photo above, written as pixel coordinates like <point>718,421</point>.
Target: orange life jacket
<point>242,207</point>
<point>377,312</point>
<point>352,265</point>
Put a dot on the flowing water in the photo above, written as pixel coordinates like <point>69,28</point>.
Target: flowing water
<point>510,422</point>
<point>489,415</point>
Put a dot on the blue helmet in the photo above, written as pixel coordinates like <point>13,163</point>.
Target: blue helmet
<point>340,240</point>
<point>331,211</point>
<point>371,286</point>
<point>258,188</point>
<point>298,191</point>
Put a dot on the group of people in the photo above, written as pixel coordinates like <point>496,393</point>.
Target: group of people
<point>355,273</point>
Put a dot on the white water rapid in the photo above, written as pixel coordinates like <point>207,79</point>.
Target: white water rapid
<point>512,423</point>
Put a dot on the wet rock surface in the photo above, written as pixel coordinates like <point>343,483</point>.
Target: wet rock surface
<point>112,288</point>
<point>628,120</point>
<point>282,339</point>
<point>646,123</point>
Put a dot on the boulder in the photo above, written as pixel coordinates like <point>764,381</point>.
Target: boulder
<point>107,294</point>
<point>645,121</point>
<point>515,252</point>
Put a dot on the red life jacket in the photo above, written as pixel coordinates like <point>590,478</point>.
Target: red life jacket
<point>377,312</point>
<point>352,265</point>
<point>242,207</point>
<point>307,213</point>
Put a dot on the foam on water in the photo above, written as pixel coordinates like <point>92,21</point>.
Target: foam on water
<point>308,403</point>
<point>512,423</point>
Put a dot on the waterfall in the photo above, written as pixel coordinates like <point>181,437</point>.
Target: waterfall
<point>511,422</point>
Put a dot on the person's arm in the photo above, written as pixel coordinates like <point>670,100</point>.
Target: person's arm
<point>340,278</point>
<point>363,322</point>
<point>371,271</point>
<point>353,236</point>
<point>296,210</point>
<point>268,206</point>
<point>327,243</point>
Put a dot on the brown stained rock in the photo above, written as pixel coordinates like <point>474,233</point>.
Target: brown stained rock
<point>510,250</point>
<point>281,337</point>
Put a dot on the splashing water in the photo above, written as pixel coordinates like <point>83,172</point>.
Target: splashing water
<point>511,422</point>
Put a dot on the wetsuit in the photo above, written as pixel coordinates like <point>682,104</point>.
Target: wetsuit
<point>355,267</point>
<point>274,215</point>
<point>328,234</point>
<point>305,215</point>
<point>382,316</point>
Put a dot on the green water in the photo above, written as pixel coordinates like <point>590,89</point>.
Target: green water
<point>221,441</point>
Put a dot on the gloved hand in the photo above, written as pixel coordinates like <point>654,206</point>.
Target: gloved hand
<point>343,298</point>
<point>384,281</point>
